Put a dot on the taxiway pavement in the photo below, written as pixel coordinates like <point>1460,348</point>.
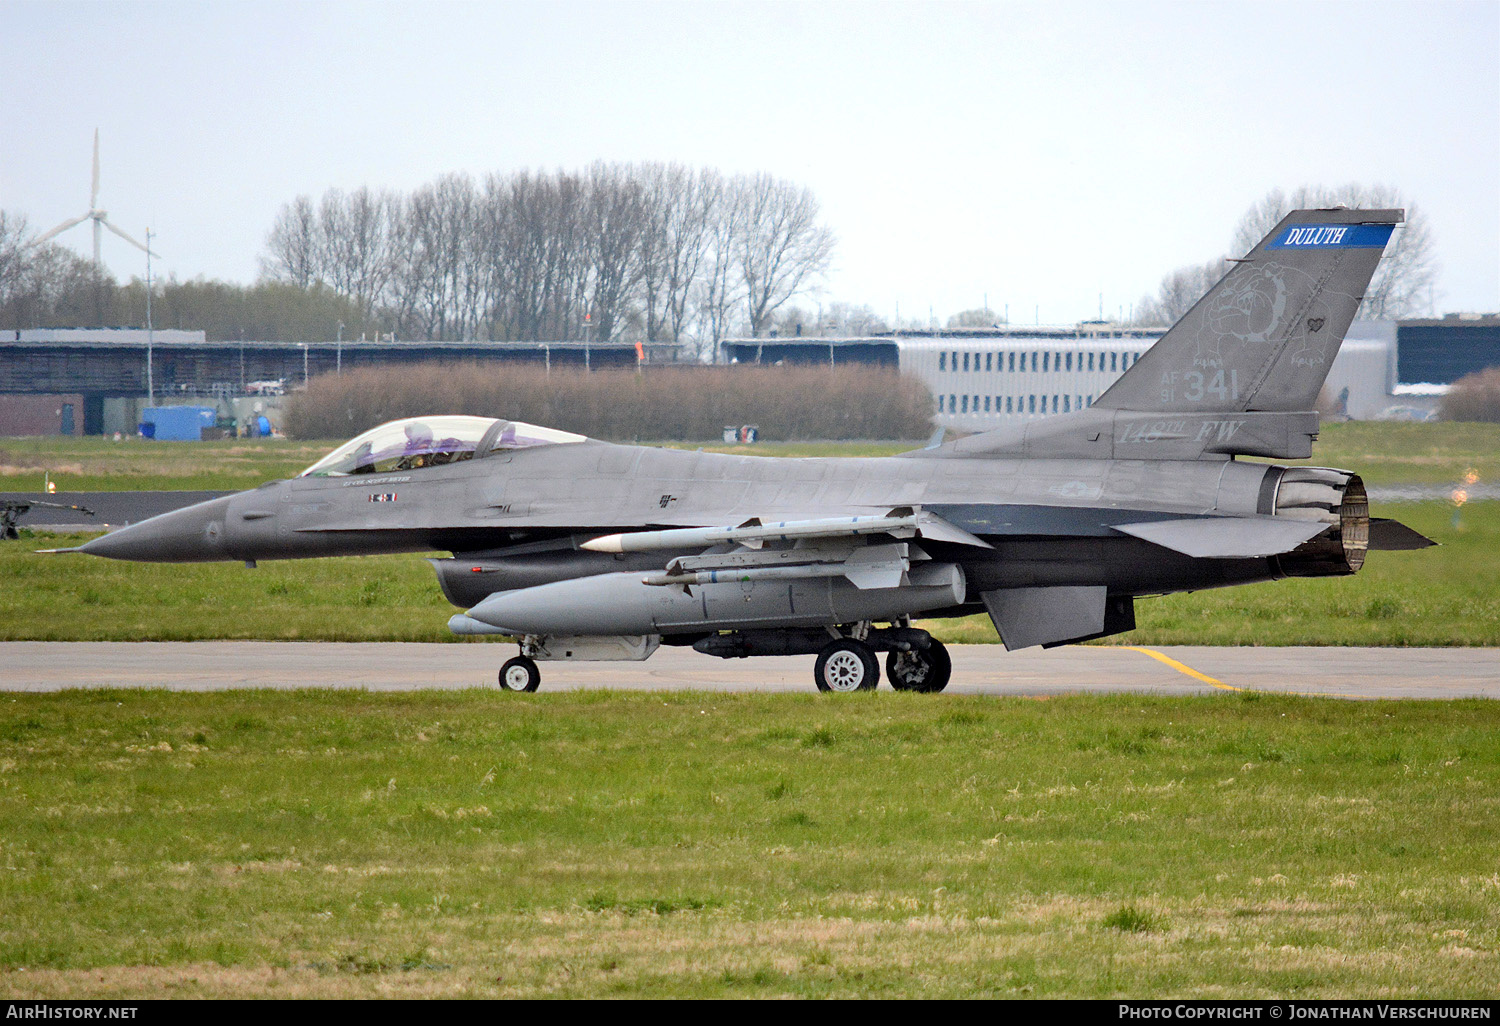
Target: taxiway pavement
<point>977,669</point>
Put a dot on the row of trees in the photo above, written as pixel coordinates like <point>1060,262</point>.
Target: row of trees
<point>1402,286</point>
<point>38,283</point>
<point>51,286</point>
<point>616,252</point>
<point>655,251</point>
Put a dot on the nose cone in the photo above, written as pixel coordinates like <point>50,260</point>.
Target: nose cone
<point>191,535</point>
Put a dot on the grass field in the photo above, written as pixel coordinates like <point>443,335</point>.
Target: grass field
<point>1384,453</point>
<point>596,844</point>
<point>1440,596</point>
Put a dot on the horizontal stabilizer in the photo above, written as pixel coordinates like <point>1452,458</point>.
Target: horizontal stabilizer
<point>1394,536</point>
<point>1227,537</point>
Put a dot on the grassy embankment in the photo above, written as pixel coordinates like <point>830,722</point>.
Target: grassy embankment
<point>1444,596</point>
<point>594,844</point>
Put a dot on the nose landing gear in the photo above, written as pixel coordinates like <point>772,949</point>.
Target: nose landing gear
<point>520,674</point>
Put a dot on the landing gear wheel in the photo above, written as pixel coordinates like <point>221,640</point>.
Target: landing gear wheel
<point>846,665</point>
<point>919,670</point>
<point>520,674</point>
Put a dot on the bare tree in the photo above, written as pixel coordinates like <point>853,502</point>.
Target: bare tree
<point>657,250</point>
<point>48,284</point>
<point>718,291</point>
<point>1178,292</point>
<point>294,245</point>
<point>980,317</point>
<point>781,247</point>
<point>15,235</point>
<point>1402,283</point>
<point>613,233</point>
<point>680,205</point>
<point>847,319</point>
<point>356,233</point>
<point>437,281</point>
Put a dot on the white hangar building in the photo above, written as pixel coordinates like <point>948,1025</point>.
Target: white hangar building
<point>988,377</point>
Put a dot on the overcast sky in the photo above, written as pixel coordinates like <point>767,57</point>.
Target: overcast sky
<point>1042,154</point>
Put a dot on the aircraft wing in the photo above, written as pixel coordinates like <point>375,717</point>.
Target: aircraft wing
<point>820,548</point>
<point>865,566</point>
<point>902,522</point>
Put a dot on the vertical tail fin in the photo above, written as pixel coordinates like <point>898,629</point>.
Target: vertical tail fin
<point>1263,337</point>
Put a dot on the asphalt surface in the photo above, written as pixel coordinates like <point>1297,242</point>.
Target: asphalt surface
<point>977,669</point>
<point>111,509</point>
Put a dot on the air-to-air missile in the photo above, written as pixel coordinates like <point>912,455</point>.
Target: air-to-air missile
<point>582,549</point>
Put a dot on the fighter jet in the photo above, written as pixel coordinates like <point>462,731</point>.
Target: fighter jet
<point>580,549</point>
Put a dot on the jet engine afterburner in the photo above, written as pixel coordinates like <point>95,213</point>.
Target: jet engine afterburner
<point>1334,497</point>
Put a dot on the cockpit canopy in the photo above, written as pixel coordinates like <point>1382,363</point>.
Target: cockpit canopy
<point>432,441</point>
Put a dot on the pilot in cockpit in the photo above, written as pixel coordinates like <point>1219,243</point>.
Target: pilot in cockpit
<point>419,448</point>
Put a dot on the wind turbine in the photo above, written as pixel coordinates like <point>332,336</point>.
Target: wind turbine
<point>99,217</point>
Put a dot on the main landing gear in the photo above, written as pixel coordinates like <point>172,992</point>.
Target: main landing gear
<point>846,665</point>
<point>849,664</point>
<point>920,669</point>
<point>915,661</point>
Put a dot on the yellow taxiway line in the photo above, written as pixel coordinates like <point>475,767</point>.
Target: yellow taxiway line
<point>1181,667</point>
<point>1205,678</point>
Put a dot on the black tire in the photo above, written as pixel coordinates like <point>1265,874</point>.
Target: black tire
<point>918,670</point>
<point>846,665</point>
<point>520,674</point>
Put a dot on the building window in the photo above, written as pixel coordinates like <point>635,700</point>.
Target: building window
<point>1066,407</point>
<point>966,361</point>
<point>986,404</point>
<point>1031,402</point>
<point>1054,402</point>
<point>1012,363</point>
<point>953,404</point>
<point>966,404</point>
<point>942,361</point>
<point>1112,358</point>
<point>954,359</point>
<point>987,358</point>
<point>1008,407</point>
<point>1068,362</point>
<point>1044,360</point>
